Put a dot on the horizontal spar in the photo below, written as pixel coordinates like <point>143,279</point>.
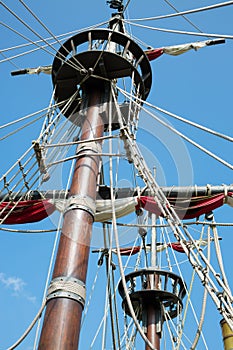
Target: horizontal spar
<point>104,192</point>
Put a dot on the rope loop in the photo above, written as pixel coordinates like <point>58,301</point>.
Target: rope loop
<point>67,287</point>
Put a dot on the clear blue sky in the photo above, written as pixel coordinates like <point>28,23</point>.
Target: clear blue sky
<point>196,85</point>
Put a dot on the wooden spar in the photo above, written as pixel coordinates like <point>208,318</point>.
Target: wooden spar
<point>61,325</point>
<point>104,192</point>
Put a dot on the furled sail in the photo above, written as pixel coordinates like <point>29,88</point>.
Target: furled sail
<point>35,210</point>
<point>179,49</point>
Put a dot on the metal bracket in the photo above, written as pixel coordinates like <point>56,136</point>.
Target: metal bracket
<point>89,146</point>
<point>81,202</point>
<point>67,287</point>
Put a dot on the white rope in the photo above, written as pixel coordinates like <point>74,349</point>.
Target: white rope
<point>78,67</point>
<point>194,143</point>
<point>25,38</point>
<point>64,36</point>
<point>26,231</point>
<point>129,303</point>
<point>185,18</point>
<point>80,142</point>
<point>52,257</point>
<point>187,290</point>
<point>196,125</point>
<point>9,60</point>
<point>219,256</point>
<point>19,341</point>
<point>172,218</point>
<point>87,305</point>
<point>205,8</point>
<point>21,128</point>
<point>189,302</point>
<point>18,183</point>
<point>224,36</point>
<point>27,116</point>
<point>204,302</point>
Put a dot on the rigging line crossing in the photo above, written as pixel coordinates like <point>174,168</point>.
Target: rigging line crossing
<point>205,8</point>
<point>194,143</point>
<point>119,255</point>
<point>107,309</point>
<point>34,32</point>
<point>56,119</point>
<point>219,254</point>
<point>29,51</point>
<point>55,153</point>
<point>8,60</point>
<point>6,183</point>
<point>64,35</point>
<point>189,297</point>
<point>114,29</point>
<point>167,225</point>
<point>210,35</point>
<point>168,318</point>
<point>167,238</point>
<point>80,142</point>
<point>48,30</point>
<point>115,231</point>
<point>185,18</point>
<point>115,290</point>
<point>17,193</point>
<point>49,116</point>
<point>174,220</point>
<point>204,302</point>
<point>175,116</point>
<point>27,39</point>
<point>30,115</point>
<point>21,128</point>
<point>52,258</point>
<point>16,164</point>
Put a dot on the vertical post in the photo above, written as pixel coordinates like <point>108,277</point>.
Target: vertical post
<point>153,320</point>
<point>63,314</point>
<point>153,309</point>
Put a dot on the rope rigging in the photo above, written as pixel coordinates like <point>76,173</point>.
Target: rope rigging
<point>181,13</point>
<point>77,65</point>
<point>194,143</point>
<point>53,147</point>
<point>207,35</point>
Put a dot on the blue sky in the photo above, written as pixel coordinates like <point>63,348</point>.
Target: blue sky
<point>195,85</point>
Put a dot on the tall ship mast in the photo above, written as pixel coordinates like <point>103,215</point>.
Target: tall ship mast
<point>125,208</point>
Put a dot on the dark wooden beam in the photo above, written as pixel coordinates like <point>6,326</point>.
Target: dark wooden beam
<point>62,319</point>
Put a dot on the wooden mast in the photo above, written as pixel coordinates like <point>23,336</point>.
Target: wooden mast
<point>92,71</point>
<point>153,310</point>
<point>61,326</point>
